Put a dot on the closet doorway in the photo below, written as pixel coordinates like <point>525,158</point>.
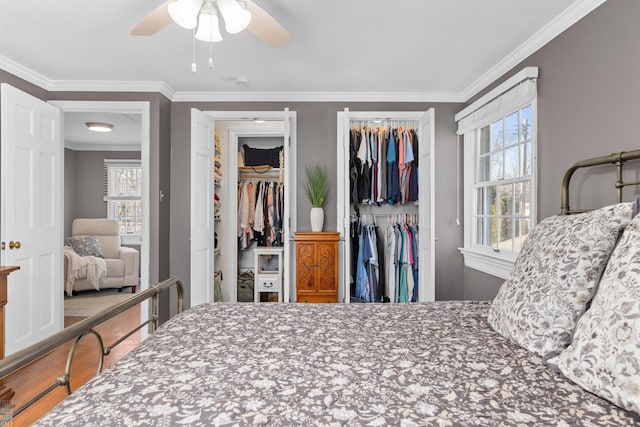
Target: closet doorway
<point>229,131</point>
<point>377,215</point>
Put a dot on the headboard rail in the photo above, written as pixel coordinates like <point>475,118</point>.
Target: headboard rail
<point>615,158</point>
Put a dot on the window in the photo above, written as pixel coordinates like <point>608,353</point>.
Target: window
<point>123,194</point>
<point>502,187</point>
<point>499,192</point>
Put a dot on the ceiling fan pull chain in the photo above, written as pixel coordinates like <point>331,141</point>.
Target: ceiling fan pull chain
<point>211,55</point>
<point>193,50</point>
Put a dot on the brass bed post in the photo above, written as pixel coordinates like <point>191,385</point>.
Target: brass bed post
<point>615,158</point>
<point>78,331</point>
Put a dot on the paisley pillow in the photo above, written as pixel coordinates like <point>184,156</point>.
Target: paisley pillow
<point>86,246</point>
<point>555,276</point>
<point>604,357</point>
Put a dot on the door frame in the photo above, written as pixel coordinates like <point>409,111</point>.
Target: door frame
<point>290,129</point>
<point>426,208</point>
<point>126,107</point>
<point>232,160</point>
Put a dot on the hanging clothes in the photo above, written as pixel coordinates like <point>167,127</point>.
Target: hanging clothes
<point>401,242</point>
<point>413,178</point>
<point>260,213</point>
<point>354,168</point>
<point>383,170</point>
<point>385,264</point>
<point>383,167</point>
<point>369,283</point>
<point>243,214</point>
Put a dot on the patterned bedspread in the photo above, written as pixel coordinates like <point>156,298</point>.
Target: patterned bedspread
<point>305,364</point>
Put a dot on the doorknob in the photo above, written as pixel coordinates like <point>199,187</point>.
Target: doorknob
<point>14,245</point>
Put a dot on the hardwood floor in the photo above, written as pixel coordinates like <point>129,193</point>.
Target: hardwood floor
<point>42,373</point>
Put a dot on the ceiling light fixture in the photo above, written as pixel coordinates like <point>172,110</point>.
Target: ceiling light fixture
<point>99,127</point>
<point>201,16</point>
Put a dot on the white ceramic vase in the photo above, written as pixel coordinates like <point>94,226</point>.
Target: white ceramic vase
<point>317,219</point>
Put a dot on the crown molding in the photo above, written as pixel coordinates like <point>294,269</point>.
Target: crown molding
<point>23,72</point>
<point>229,96</point>
<point>566,19</point>
<point>111,86</point>
<point>578,10</point>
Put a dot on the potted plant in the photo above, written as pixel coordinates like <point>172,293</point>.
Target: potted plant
<point>316,189</point>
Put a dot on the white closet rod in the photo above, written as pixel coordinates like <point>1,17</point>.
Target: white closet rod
<point>411,218</point>
<point>384,214</point>
<point>258,177</point>
<point>386,123</point>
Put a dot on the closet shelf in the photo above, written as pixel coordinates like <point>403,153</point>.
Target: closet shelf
<point>259,172</point>
<point>258,169</point>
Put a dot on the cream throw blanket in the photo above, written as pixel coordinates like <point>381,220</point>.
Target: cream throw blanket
<point>93,269</point>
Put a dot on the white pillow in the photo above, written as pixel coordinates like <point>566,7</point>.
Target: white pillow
<point>604,357</point>
<point>554,277</point>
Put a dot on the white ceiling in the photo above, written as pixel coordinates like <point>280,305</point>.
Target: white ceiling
<point>439,49</point>
<point>125,135</point>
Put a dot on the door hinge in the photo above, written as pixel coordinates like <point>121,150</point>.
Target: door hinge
<point>2,246</point>
<point>289,141</point>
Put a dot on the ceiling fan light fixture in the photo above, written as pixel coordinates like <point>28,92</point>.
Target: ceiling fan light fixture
<point>208,26</point>
<point>99,127</point>
<point>185,12</point>
<point>236,18</point>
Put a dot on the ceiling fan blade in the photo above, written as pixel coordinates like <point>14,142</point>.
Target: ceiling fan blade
<point>153,22</point>
<point>265,27</point>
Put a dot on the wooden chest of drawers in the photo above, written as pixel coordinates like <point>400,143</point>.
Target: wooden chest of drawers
<point>317,266</point>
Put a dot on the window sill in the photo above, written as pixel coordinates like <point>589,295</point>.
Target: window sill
<point>493,264</point>
<point>130,239</point>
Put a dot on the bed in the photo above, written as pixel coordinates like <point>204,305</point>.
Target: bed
<point>272,364</point>
<point>559,345</point>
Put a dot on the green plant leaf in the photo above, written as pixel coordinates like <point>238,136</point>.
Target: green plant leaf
<point>317,185</point>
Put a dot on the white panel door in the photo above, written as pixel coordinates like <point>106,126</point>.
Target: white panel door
<point>31,205</point>
<point>202,199</point>
<point>343,210</point>
<point>290,189</point>
<point>426,195</point>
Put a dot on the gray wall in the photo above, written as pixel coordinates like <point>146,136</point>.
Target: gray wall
<point>70,193</point>
<point>84,183</point>
<point>316,138</point>
<point>588,95</point>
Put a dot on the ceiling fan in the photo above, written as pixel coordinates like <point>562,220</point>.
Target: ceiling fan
<point>202,15</point>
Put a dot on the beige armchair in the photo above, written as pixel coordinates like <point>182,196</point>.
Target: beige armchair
<point>122,263</point>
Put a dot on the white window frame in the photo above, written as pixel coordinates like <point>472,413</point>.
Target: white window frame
<point>128,238</point>
<point>511,96</point>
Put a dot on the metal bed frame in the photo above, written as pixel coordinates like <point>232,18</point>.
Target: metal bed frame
<point>615,158</point>
<point>81,329</point>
